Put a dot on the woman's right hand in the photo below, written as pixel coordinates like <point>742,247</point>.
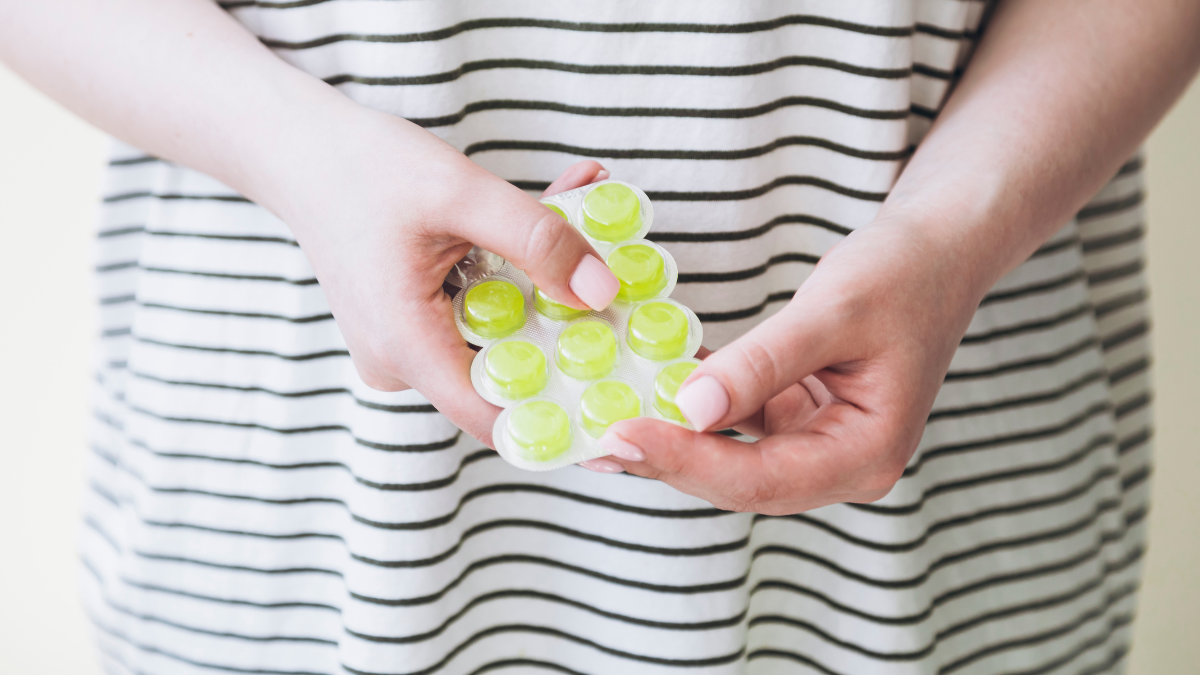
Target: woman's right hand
<point>386,218</point>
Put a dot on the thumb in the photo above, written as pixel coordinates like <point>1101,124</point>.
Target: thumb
<point>735,381</point>
<point>539,242</point>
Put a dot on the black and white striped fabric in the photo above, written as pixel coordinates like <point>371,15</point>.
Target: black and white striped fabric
<point>254,508</point>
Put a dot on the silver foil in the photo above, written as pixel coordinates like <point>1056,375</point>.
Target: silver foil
<point>475,265</point>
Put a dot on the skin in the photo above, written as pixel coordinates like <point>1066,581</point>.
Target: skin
<point>837,385</point>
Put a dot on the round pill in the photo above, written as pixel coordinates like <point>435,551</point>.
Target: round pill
<point>666,385</point>
<point>641,271</point>
<point>606,402</point>
<point>494,309</point>
<point>612,212</point>
<point>540,430</point>
<point>549,308</point>
<point>658,331</point>
<point>587,350</point>
<point>556,210</point>
<point>515,369</point>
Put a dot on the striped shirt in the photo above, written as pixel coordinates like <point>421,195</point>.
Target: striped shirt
<point>252,507</point>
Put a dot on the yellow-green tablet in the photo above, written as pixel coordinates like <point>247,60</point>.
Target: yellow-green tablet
<point>557,210</point>
<point>641,271</point>
<point>666,385</point>
<point>515,369</point>
<point>539,430</point>
<point>587,350</point>
<point>606,402</point>
<point>612,212</point>
<point>554,310</point>
<point>658,331</point>
<point>494,309</point>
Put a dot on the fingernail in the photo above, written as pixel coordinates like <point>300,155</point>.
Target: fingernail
<point>593,283</point>
<point>619,447</point>
<point>601,175</point>
<point>601,465</point>
<point>703,402</point>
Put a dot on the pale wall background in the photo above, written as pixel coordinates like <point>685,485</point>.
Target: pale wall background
<point>50,166</point>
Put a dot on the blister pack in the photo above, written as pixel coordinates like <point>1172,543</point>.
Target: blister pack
<point>564,375</point>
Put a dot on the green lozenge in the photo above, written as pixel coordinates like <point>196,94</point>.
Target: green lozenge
<point>494,309</point>
<point>606,402</point>
<point>549,308</point>
<point>515,369</point>
<point>612,212</point>
<point>641,271</point>
<point>539,430</point>
<point>658,331</point>
<point>666,385</point>
<point>559,212</point>
<point>587,350</point>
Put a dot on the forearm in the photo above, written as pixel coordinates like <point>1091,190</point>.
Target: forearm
<point>1057,96</point>
<point>179,78</point>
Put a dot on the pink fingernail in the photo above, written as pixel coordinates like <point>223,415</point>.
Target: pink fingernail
<point>619,447</point>
<point>593,283</point>
<point>601,465</point>
<point>601,175</point>
<point>703,402</point>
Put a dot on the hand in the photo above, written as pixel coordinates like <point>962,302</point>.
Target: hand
<point>385,217</point>
<point>837,386</point>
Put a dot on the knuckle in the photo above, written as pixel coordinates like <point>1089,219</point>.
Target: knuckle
<point>546,236</point>
<point>757,365</point>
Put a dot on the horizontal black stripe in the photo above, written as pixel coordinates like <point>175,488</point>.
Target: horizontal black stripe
<point>319,428</point>
<point>1098,442</point>
<point>1057,394</point>
<point>230,601</point>
<point>562,635</point>
<point>750,273</point>
<point>1109,207</point>
<point>116,300</point>
<point>1111,274</point>
<point>1132,405</point>
<point>126,196</point>
<point>224,237</point>
<point>246,352</point>
<point>310,281</point>
<point>315,318</point>
<point>593,27</point>
<point>919,579</point>
<point>1132,166</point>
<point>1094,244</point>
<point>1029,326</point>
<point>922,615</point>
<point>935,452</point>
<point>408,408</point>
<point>1135,478</point>
<point>945,33</point>
<point>1071,493</point>
<point>689,155</point>
<point>494,488</point>
<point>745,313</point>
<point>1119,338</point>
<point>1050,634</point>
<point>752,193</point>
<point>114,266</point>
<point>698,113</point>
<point>1128,370</point>
<point>1025,364</point>
<point>120,231</point>
<point>614,69</point>
<point>1135,440</point>
<point>152,649</point>
<point>130,161</point>
<point>1120,302</point>
<point>1057,283</point>
<point>1055,246</point>
<point>741,235</point>
<point>935,73</point>
<point>1090,614</point>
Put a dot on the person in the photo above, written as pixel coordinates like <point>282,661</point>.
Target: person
<point>949,413</point>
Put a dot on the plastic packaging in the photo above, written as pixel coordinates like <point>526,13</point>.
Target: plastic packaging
<point>563,375</point>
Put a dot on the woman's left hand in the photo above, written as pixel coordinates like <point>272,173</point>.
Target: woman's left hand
<point>837,386</point>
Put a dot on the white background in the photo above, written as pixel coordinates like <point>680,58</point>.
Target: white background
<point>50,165</point>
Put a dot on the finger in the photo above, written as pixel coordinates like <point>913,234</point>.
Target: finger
<point>506,221</point>
<point>784,473</point>
<point>739,378</point>
<point>437,362</point>
<point>577,175</point>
